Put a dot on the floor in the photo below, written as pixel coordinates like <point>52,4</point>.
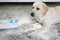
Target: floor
<point>10,10</point>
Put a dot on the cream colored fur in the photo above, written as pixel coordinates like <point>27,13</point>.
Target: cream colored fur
<point>48,16</point>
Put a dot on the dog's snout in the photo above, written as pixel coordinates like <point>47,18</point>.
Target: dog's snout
<point>32,14</point>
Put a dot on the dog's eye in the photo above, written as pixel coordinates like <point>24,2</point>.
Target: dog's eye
<point>37,9</point>
<point>32,7</point>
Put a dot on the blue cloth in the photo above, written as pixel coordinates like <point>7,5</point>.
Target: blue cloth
<point>11,21</point>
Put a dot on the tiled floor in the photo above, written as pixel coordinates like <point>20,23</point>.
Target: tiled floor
<point>10,10</point>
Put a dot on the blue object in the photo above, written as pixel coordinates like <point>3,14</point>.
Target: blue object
<point>11,21</point>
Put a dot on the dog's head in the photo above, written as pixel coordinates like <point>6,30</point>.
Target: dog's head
<point>39,9</point>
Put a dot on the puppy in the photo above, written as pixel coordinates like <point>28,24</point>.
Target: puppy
<point>48,16</point>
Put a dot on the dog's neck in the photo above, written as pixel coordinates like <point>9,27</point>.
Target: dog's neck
<point>47,18</point>
<point>43,17</point>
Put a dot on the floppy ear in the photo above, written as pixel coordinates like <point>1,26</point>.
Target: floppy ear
<point>45,8</point>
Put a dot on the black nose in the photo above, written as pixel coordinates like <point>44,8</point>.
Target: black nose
<point>32,14</point>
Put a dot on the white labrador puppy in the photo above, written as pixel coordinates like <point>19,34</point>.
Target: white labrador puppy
<point>48,16</point>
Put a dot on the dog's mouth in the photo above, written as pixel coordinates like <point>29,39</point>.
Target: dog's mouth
<point>36,18</point>
<point>38,21</point>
